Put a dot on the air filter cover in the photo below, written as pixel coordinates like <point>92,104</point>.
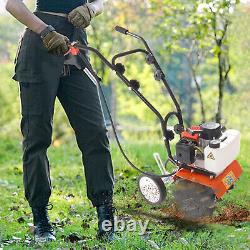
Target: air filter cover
<point>211,131</point>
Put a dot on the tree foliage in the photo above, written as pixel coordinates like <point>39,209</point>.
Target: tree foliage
<point>198,43</point>
<point>199,31</point>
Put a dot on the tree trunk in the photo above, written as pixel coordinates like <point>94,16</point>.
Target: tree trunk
<point>198,88</point>
<point>188,94</point>
<point>224,69</point>
<point>218,116</point>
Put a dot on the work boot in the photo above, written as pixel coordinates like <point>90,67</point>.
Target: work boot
<point>105,222</point>
<point>43,229</point>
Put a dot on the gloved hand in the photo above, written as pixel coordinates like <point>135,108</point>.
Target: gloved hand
<point>81,16</point>
<point>56,43</point>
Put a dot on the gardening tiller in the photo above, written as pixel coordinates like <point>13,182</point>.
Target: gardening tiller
<point>204,162</point>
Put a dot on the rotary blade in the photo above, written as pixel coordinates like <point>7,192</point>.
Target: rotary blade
<point>193,200</point>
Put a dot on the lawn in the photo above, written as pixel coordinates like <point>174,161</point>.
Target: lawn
<point>75,221</point>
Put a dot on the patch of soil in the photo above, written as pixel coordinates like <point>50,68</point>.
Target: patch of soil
<point>231,214</point>
<point>228,215</point>
<point>172,212</point>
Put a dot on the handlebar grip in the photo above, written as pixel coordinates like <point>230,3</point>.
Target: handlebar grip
<point>121,30</point>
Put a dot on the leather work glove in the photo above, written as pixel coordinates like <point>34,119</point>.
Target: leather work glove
<point>56,43</point>
<point>81,16</point>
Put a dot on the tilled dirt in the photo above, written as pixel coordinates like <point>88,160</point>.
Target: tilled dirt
<point>231,214</point>
<point>228,215</point>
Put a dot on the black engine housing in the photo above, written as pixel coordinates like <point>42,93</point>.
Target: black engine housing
<point>185,151</point>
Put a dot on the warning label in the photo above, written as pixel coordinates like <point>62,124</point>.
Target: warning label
<point>211,156</point>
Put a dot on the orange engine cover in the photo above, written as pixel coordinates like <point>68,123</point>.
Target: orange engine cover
<point>219,184</point>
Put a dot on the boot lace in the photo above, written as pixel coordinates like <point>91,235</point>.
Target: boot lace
<point>42,220</point>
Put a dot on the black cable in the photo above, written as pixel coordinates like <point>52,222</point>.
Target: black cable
<point>119,144</point>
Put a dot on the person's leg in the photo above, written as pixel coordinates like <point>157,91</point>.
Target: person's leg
<point>38,73</point>
<point>37,105</point>
<point>79,97</point>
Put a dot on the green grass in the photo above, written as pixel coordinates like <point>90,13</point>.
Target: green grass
<point>73,213</point>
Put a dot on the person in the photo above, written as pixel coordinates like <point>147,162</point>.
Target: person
<point>43,75</point>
